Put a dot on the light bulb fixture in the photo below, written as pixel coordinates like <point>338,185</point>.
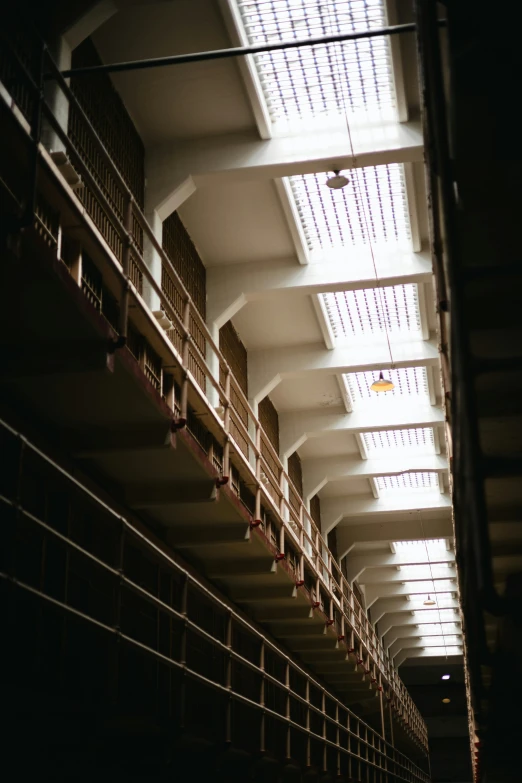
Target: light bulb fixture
<point>429,601</point>
<point>338,181</point>
<point>446,701</point>
<point>382,385</point>
<point>445,677</point>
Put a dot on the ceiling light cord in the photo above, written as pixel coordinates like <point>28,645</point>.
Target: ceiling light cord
<point>357,187</point>
<point>432,582</point>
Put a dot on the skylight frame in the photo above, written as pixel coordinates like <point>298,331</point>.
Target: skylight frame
<point>372,210</point>
<point>410,384</point>
<point>321,84</point>
<point>409,440</point>
<point>418,481</point>
<point>373,314</point>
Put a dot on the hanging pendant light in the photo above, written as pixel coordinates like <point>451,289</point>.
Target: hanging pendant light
<point>429,601</point>
<point>338,181</point>
<point>382,385</point>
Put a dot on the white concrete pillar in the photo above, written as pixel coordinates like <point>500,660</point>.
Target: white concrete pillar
<point>213,363</point>
<point>153,260</point>
<point>55,98</point>
<point>252,432</point>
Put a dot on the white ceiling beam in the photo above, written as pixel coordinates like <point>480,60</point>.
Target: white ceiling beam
<point>404,530</point>
<point>413,644</point>
<point>318,472</point>
<point>391,622</point>
<point>421,653</point>
<point>296,428</point>
<point>239,157</point>
<point>355,565</point>
<point>230,287</point>
<point>391,576</point>
<point>335,509</point>
<point>397,590</point>
<point>267,368</point>
<point>85,25</point>
<point>232,18</point>
<point>413,632</point>
<point>399,605</point>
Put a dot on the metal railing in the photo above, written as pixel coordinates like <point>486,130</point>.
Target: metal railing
<point>245,448</point>
<point>130,565</point>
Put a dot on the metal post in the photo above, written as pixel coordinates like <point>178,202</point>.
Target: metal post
<point>185,363</point>
<point>125,264</point>
<point>383,727</point>
<point>288,749</point>
<point>262,728</point>
<point>228,680</point>
<point>226,424</point>
<point>183,651</point>
<point>36,130</point>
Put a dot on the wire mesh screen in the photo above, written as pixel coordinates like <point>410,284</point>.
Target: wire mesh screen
<point>327,79</point>
<point>388,441</point>
<point>375,312</point>
<point>410,383</point>
<point>408,481</point>
<point>371,209</point>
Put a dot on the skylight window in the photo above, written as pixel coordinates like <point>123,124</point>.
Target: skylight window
<point>407,482</point>
<point>411,384</point>
<point>324,81</point>
<point>440,615</point>
<point>428,545</point>
<point>375,313</point>
<point>450,639</point>
<point>443,600</point>
<point>439,570</point>
<point>428,586</point>
<point>419,440</point>
<point>442,629</point>
<point>371,209</point>
<point>448,650</point>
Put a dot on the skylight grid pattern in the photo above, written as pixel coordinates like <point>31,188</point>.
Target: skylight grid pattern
<point>326,79</point>
<point>411,383</point>
<point>441,615</point>
<point>440,629</point>
<point>371,209</point>
<point>448,650</point>
<point>452,640</point>
<point>408,481</point>
<point>375,312</point>
<point>431,586</point>
<point>429,545</point>
<point>418,439</point>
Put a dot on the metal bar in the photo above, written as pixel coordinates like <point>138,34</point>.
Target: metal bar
<point>238,51</point>
<point>420,775</point>
<point>180,615</point>
<point>36,129</point>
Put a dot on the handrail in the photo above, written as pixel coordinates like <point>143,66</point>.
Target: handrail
<point>227,607</point>
<point>308,542</point>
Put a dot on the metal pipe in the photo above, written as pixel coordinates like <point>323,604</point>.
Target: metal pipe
<point>237,51</point>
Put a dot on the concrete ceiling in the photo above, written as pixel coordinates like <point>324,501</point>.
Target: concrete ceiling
<point>210,155</point>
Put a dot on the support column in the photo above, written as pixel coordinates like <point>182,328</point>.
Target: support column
<point>60,51</point>
<point>213,363</point>
<point>252,432</point>
<point>153,260</point>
